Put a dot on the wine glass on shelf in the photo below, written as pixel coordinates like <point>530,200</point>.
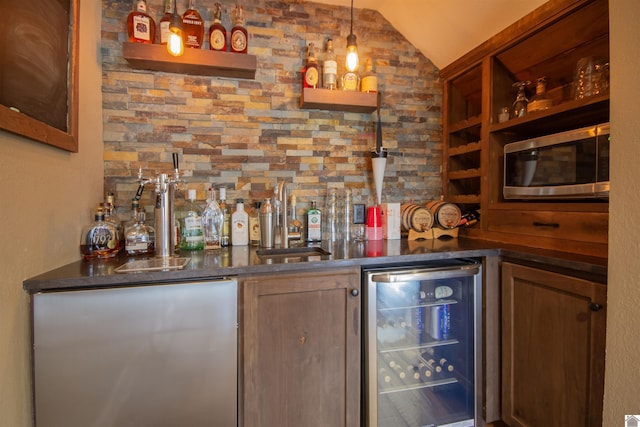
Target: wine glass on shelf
<point>519,108</point>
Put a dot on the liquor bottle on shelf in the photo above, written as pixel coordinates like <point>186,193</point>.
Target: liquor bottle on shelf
<point>217,32</point>
<point>540,101</point>
<point>191,235</point>
<point>369,81</point>
<point>240,225</point>
<point>330,68</point>
<point>311,76</point>
<point>139,238</point>
<point>163,25</point>
<point>99,239</point>
<point>225,238</point>
<point>212,220</point>
<point>193,27</point>
<point>239,34</point>
<point>141,28</point>
<point>314,224</point>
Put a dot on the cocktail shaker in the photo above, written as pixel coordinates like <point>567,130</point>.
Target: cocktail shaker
<point>267,225</point>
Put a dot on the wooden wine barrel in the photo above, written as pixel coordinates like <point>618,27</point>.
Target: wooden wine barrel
<point>415,217</point>
<point>445,215</point>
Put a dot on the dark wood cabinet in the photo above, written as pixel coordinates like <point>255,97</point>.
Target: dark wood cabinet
<point>548,42</point>
<point>301,349</point>
<point>553,346</point>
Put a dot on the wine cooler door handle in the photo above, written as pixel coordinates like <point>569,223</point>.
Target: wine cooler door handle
<point>427,274</point>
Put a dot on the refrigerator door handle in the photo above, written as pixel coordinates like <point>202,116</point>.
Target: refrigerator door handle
<point>426,274</point>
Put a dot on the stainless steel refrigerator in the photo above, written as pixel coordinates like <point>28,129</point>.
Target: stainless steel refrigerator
<point>148,355</point>
<point>423,345</point>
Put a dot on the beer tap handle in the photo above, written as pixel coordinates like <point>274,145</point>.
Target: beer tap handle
<point>175,161</point>
<point>140,190</point>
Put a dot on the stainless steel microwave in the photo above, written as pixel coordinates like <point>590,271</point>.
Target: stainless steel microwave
<point>566,165</point>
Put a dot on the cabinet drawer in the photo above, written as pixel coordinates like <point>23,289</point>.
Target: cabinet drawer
<point>579,226</point>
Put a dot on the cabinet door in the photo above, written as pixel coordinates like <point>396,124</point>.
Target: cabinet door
<point>302,349</point>
<point>553,337</point>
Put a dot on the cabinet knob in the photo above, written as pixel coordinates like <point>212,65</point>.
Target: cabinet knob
<point>355,292</point>
<point>594,306</point>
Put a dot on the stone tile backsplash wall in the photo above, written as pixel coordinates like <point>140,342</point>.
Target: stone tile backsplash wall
<point>249,134</point>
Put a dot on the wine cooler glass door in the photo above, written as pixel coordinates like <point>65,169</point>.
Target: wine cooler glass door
<point>422,346</point>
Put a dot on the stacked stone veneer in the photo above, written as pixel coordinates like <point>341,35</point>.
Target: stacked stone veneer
<point>249,134</point>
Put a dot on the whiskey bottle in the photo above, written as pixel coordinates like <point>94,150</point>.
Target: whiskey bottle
<point>139,238</point>
<point>163,25</point>
<point>350,81</point>
<point>193,27</point>
<point>100,239</point>
<point>254,224</point>
<point>141,27</point>
<point>239,35</point>
<point>369,81</point>
<point>225,238</point>
<point>330,68</point>
<point>217,32</point>
<point>311,76</point>
<point>314,224</point>
<point>191,235</point>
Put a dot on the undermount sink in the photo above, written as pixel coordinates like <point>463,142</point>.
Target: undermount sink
<point>292,252</point>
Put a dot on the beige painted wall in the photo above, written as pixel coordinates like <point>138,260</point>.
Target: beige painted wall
<point>46,196</point>
<point>622,373</point>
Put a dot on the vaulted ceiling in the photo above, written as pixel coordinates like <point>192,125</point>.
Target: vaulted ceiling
<point>444,30</point>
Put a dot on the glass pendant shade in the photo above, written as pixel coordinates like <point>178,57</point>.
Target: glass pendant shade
<point>352,61</point>
<point>175,45</point>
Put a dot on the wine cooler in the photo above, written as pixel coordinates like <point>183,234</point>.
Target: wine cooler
<point>423,345</point>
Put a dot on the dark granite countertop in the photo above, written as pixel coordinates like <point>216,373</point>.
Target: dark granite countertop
<point>234,261</point>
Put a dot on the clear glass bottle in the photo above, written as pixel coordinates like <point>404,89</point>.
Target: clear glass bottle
<point>133,219</point>
<point>99,239</point>
<point>311,76</point>
<point>314,223</point>
<point>138,239</point>
<point>239,35</point>
<point>330,231</point>
<point>240,225</point>
<point>193,27</point>
<point>163,25</point>
<point>369,81</point>
<point>539,101</point>
<point>141,28</point>
<point>330,68</point>
<point>346,217</point>
<point>225,238</point>
<point>217,31</point>
<point>212,219</point>
<point>191,233</point>
<point>519,108</point>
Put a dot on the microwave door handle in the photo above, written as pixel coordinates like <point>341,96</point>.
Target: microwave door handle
<point>427,274</point>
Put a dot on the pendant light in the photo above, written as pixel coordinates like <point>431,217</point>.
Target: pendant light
<point>352,62</point>
<point>175,45</point>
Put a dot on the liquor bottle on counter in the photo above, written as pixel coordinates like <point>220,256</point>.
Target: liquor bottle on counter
<point>311,76</point>
<point>239,35</point>
<point>163,25</point>
<point>217,32</point>
<point>225,238</point>
<point>369,82</point>
<point>141,28</point>
<point>191,235</point>
<point>212,220</point>
<point>139,238</point>
<point>314,224</point>
<point>133,220</point>
<point>330,68</point>
<point>193,27</point>
<point>240,225</point>
<point>100,239</point>
<point>254,224</point>
<point>294,225</point>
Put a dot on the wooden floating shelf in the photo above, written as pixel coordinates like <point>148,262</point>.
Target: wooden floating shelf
<point>338,100</point>
<point>201,62</point>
